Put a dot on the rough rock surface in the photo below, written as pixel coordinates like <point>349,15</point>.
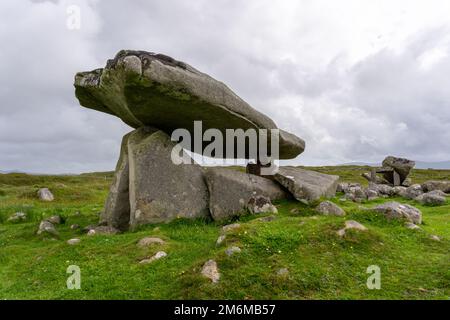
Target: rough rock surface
<point>159,189</point>
<point>382,189</point>
<point>443,185</point>
<point>400,165</point>
<point>73,241</point>
<point>117,206</point>
<point>45,194</point>
<point>436,197</point>
<point>355,192</point>
<point>211,271</point>
<point>329,208</point>
<point>413,191</point>
<point>157,256</point>
<point>17,217</point>
<point>230,191</point>
<point>306,185</point>
<point>260,204</point>
<point>232,250</point>
<point>46,227</point>
<point>231,227</point>
<point>395,210</point>
<point>147,89</point>
<point>55,219</point>
<point>399,191</point>
<point>351,224</point>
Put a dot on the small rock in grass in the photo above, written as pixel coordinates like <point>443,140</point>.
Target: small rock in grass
<point>211,271</point>
<point>220,240</point>
<point>45,195</point>
<point>329,208</point>
<point>395,210</point>
<point>17,217</point>
<point>351,224</point>
<point>232,250</point>
<point>54,219</point>
<point>157,256</point>
<point>260,204</point>
<point>413,191</point>
<point>47,227</point>
<point>75,226</point>
<point>435,238</point>
<point>148,241</point>
<point>412,226</point>
<point>282,272</point>
<point>231,227</point>
<point>102,230</point>
<point>73,241</point>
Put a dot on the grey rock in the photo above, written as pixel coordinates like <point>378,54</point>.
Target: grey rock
<point>160,190</point>
<point>102,230</point>
<point>355,193</point>
<point>400,165</point>
<point>157,256</point>
<point>435,238</point>
<point>260,204</point>
<point>17,217</point>
<point>282,272</point>
<point>232,250</point>
<point>413,191</point>
<point>149,241</point>
<point>55,219</point>
<point>442,185</point>
<point>231,227</point>
<point>407,182</point>
<point>399,191</point>
<point>230,191</point>
<point>351,224</point>
<point>147,89</point>
<point>378,179</point>
<point>435,197</point>
<point>412,226</point>
<point>306,185</point>
<point>341,187</point>
<point>46,227</point>
<point>117,207</point>
<point>371,194</point>
<point>211,271</point>
<point>382,189</point>
<point>395,210</point>
<point>329,208</point>
<point>73,241</point>
<point>44,194</point>
<point>220,239</point>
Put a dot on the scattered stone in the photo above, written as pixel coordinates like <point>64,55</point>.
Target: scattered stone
<point>73,241</point>
<point>435,198</point>
<point>371,194</point>
<point>232,250</point>
<point>161,190</point>
<point>148,241</point>
<point>54,219</point>
<point>230,191</point>
<point>157,256</point>
<point>45,195</point>
<point>282,272</point>
<point>412,226</point>
<point>211,271</point>
<point>395,210</point>
<point>355,193</point>
<point>382,189</point>
<point>351,224</point>
<point>435,238</point>
<point>329,208</point>
<point>102,230</point>
<point>342,186</point>
<point>46,227</point>
<point>220,240</point>
<point>431,185</point>
<point>260,204</point>
<point>231,227</point>
<point>306,185</point>
<point>399,191</point>
<point>407,182</point>
<point>170,94</point>
<point>413,191</point>
<point>17,217</point>
<point>75,226</point>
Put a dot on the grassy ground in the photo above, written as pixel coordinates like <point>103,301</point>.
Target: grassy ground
<point>321,265</point>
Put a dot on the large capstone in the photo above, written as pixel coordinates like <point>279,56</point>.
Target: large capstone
<point>161,190</point>
<point>232,191</point>
<point>147,89</point>
<point>307,185</point>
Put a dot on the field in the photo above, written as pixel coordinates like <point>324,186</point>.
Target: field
<point>321,265</point>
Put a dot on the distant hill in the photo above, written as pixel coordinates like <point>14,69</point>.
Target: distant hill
<point>419,164</point>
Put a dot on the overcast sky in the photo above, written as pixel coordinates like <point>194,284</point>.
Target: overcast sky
<point>357,80</point>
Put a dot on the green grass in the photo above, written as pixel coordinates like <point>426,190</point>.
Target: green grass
<point>321,265</point>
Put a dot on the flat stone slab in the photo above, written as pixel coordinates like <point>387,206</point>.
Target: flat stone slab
<point>306,185</point>
<point>148,89</point>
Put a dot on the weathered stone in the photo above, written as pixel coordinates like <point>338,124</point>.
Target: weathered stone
<point>371,194</point>
<point>329,208</point>
<point>399,191</point>
<point>157,256</point>
<point>73,241</point>
<point>351,224</point>
<point>211,271</point>
<point>306,185</point>
<point>117,206</point>
<point>413,191</point>
<point>44,194</point>
<point>355,193</point>
<point>407,182</point>
<point>260,204</point>
<point>282,272</point>
<point>232,250</point>
<point>382,189</point>
<point>230,191</point>
<point>435,238</point>
<point>400,165</point>
<point>230,227</point>
<point>55,219</point>
<point>102,230</point>
<point>412,226</point>
<point>220,239</point>
<point>17,217</point>
<point>148,241</point>
<point>159,189</point>
<point>147,89</point>
<point>395,210</point>
<point>443,185</point>
<point>376,179</point>
<point>46,227</point>
<point>435,197</point>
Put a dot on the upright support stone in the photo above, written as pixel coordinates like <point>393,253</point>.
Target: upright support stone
<point>373,175</point>
<point>396,179</point>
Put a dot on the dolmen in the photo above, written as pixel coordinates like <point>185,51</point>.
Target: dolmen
<point>394,171</point>
<point>168,102</point>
